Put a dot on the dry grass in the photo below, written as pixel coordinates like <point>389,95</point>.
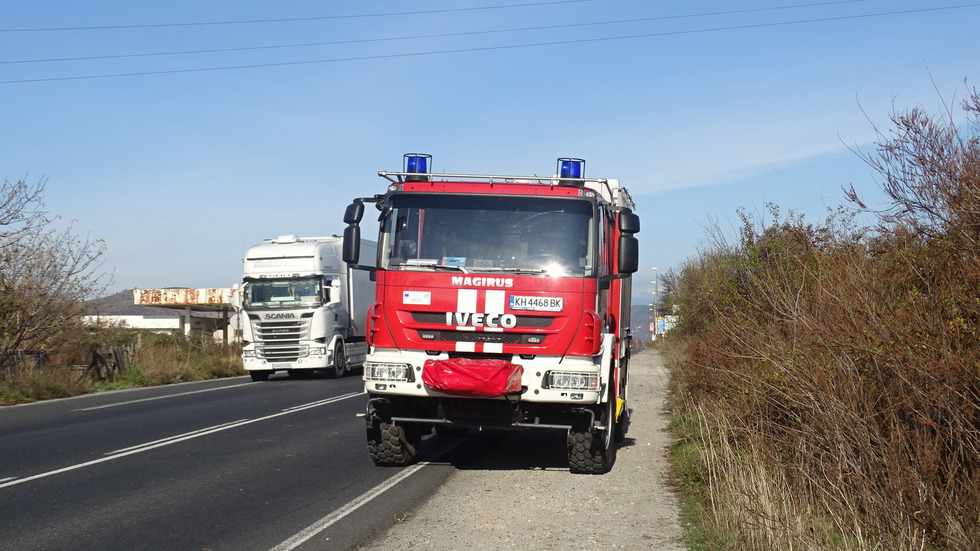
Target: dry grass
<point>155,360</point>
<point>175,360</point>
<point>836,390</point>
<point>831,375</point>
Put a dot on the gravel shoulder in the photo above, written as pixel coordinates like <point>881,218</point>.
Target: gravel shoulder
<point>546,507</point>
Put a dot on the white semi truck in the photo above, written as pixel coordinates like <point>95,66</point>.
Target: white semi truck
<point>304,308</point>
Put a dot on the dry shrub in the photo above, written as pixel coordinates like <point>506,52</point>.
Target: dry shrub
<point>166,359</point>
<point>157,359</point>
<point>837,372</point>
<point>32,383</point>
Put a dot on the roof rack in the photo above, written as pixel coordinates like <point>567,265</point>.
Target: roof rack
<point>610,190</point>
<point>401,177</point>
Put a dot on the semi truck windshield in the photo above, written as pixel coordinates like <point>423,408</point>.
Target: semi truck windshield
<point>282,293</point>
<point>481,233</point>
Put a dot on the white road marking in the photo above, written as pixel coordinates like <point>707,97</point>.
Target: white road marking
<point>175,439</point>
<point>141,400</point>
<point>325,522</point>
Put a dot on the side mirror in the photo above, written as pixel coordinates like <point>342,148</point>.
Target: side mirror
<point>629,254</point>
<point>629,222</point>
<point>354,213</point>
<point>352,241</point>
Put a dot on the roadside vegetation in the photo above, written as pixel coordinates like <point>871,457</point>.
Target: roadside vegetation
<point>826,377</point>
<point>93,359</point>
<point>46,275</point>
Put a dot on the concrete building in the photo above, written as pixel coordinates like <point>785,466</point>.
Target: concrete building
<point>206,310</point>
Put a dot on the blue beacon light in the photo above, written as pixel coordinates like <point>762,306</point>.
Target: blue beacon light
<point>571,168</point>
<point>417,163</point>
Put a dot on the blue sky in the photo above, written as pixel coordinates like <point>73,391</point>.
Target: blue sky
<point>285,111</point>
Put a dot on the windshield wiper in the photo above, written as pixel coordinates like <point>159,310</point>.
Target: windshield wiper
<point>515,270</point>
<point>433,265</point>
<point>447,266</point>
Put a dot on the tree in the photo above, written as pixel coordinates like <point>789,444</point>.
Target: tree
<point>931,172</point>
<point>45,273</point>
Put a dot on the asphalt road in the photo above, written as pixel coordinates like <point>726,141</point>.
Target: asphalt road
<point>226,464</point>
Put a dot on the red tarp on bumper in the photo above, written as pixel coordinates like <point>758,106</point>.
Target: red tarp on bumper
<point>473,378</point>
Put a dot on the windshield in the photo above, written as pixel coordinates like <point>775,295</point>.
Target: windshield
<point>479,233</point>
<point>283,293</point>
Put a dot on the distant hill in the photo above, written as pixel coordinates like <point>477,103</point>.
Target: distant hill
<point>121,304</point>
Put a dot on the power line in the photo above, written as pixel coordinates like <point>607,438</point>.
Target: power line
<point>491,48</point>
<point>417,37</point>
<point>288,19</point>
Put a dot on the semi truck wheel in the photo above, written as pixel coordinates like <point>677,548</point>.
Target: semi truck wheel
<point>339,361</point>
<point>392,445</point>
<point>260,375</point>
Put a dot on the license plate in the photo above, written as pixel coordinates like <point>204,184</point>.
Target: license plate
<point>538,304</point>
<point>282,366</point>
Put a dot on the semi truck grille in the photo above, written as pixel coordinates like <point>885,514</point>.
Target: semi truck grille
<point>279,341</point>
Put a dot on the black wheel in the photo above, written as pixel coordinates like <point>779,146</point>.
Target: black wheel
<point>592,451</point>
<point>586,453</point>
<point>339,361</point>
<point>392,445</point>
<point>260,375</point>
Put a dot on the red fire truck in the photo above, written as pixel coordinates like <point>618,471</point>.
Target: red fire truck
<point>502,302</point>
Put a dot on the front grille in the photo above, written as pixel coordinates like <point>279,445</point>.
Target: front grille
<point>477,336</point>
<point>537,322</point>
<point>279,341</point>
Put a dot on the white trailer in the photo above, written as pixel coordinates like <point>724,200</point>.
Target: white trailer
<point>304,308</point>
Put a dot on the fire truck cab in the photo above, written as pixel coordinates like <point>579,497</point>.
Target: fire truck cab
<point>502,302</point>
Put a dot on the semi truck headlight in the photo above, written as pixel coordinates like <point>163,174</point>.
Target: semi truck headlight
<point>248,353</point>
<point>318,351</point>
<point>563,380</point>
<point>387,372</point>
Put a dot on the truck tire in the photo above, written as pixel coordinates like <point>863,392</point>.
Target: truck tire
<point>392,445</point>
<point>593,451</point>
<point>339,368</point>
<point>586,453</point>
<point>260,375</point>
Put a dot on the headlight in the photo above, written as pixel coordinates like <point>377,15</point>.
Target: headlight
<point>387,372</point>
<point>318,351</point>
<point>563,380</point>
<point>248,353</point>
